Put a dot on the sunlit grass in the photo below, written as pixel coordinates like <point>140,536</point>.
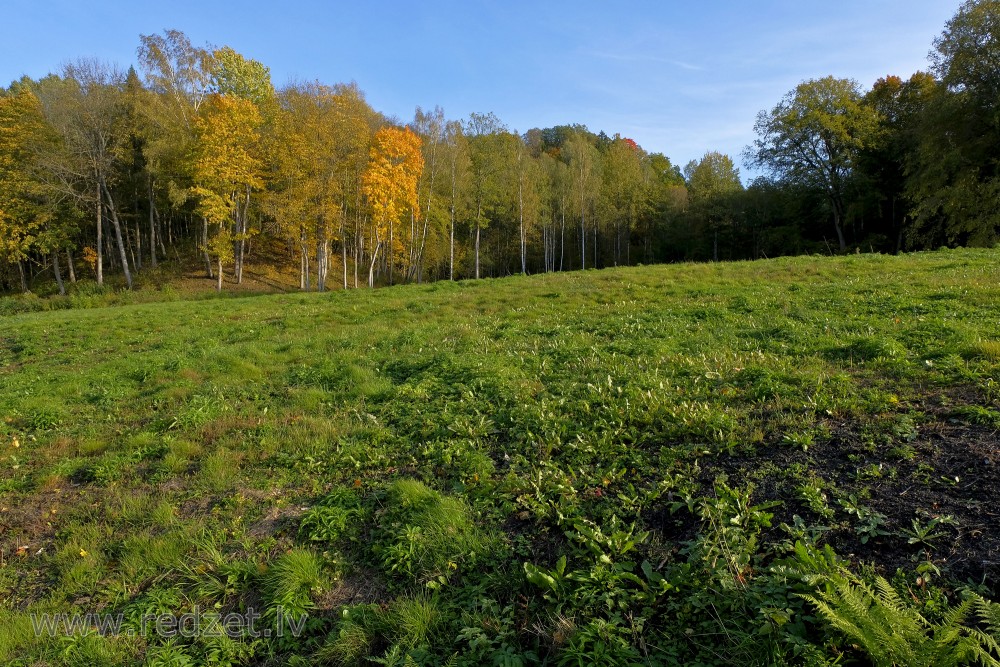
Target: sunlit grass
<point>474,424</point>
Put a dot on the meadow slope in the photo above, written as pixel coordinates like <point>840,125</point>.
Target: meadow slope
<point>645,465</point>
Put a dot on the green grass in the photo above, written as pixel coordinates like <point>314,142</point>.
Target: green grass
<point>649,444</point>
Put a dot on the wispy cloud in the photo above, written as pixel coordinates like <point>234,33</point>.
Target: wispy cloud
<point>645,58</point>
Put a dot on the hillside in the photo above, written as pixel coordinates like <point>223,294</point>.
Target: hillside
<point>628,466</point>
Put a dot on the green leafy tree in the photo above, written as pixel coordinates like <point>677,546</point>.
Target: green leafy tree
<point>623,192</point>
<point>530,185</point>
<point>484,133</point>
<point>178,79</point>
<point>584,168</point>
<point>883,164</point>
<point>560,194</point>
<point>458,164</point>
<point>431,126</point>
<point>713,186</point>
<point>667,200</point>
<point>813,137</point>
<point>955,181</point>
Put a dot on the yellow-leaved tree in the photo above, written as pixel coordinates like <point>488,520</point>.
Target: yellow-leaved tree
<point>34,222</point>
<point>21,218</point>
<point>390,185</point>
<point>227,169</point>
<point>320,148</point>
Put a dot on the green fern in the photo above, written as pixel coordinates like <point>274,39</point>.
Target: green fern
<point>882,625</point>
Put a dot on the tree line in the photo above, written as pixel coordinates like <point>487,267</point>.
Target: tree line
<point>194,156</point>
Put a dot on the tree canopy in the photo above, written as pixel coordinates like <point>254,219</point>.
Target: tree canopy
<point>193,155</point>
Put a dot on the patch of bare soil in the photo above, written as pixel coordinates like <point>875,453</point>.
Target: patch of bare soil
<point>954,472</point>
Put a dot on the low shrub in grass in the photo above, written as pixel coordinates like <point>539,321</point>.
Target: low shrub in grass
<point>292,583</point>
<point>423,535</point>
<point>397,630</point>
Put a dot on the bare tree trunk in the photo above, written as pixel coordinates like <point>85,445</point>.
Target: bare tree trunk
<point>118,233</point>
<point>242,230</point>
<point>597,255</point>
<point>24,278</point>
<point>322,259</point>
<point>136,249</point>
<point>55,269</point>
<point>100,230</point>
<point>72,269</point>
<point>204,246</point>
<point>451,249</point>
<point>218,287</point>
<point>838,208</point>
<point>427,214</point>
<point>411,251</point>
<point>152,226</point>
<point>305,259</point>
<point>583,217</point>
<point>359,248</point>
<point>479,212</point>
<point>109,247</point>
<point>319,258</point>
<point>371,267</point>
<point>520,203</point>
<point>343,246</point>
<point>628,245</point>
<point>549,254</point>
<point>159,235</point>
<point>562,237</point>
<point>618,241</point>
<point>302,265</point>
<point>423,247</point>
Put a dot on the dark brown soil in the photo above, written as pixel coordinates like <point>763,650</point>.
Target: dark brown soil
<point>953,471</point>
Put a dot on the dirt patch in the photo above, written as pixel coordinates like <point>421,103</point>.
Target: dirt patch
<point>361,586</point>
<point>277,521</point>
<point>29,522</point>
<point>952,470</point>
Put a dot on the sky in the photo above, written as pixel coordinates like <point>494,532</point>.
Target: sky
<point>680,78</point>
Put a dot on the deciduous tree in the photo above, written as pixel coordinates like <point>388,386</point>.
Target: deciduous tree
<point>813,137</point>
<point>227,169</point>
<point>955,181</point>
<point>713,183</point>
<point>390,185</point>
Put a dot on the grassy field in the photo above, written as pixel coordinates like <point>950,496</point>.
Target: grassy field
<point>790,461</point>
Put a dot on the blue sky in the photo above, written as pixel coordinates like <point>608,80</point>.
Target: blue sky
<point>681,78</point>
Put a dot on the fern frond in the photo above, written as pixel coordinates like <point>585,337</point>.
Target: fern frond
<point>878,620</point>
<point>888,596</point>
<point>989,614</point>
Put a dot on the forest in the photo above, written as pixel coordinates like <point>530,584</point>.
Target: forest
<point>193,156</point>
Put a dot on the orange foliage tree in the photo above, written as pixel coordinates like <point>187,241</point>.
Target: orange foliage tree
<point>390,184</point>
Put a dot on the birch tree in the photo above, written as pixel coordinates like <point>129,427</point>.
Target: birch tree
<point>390,185</point>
